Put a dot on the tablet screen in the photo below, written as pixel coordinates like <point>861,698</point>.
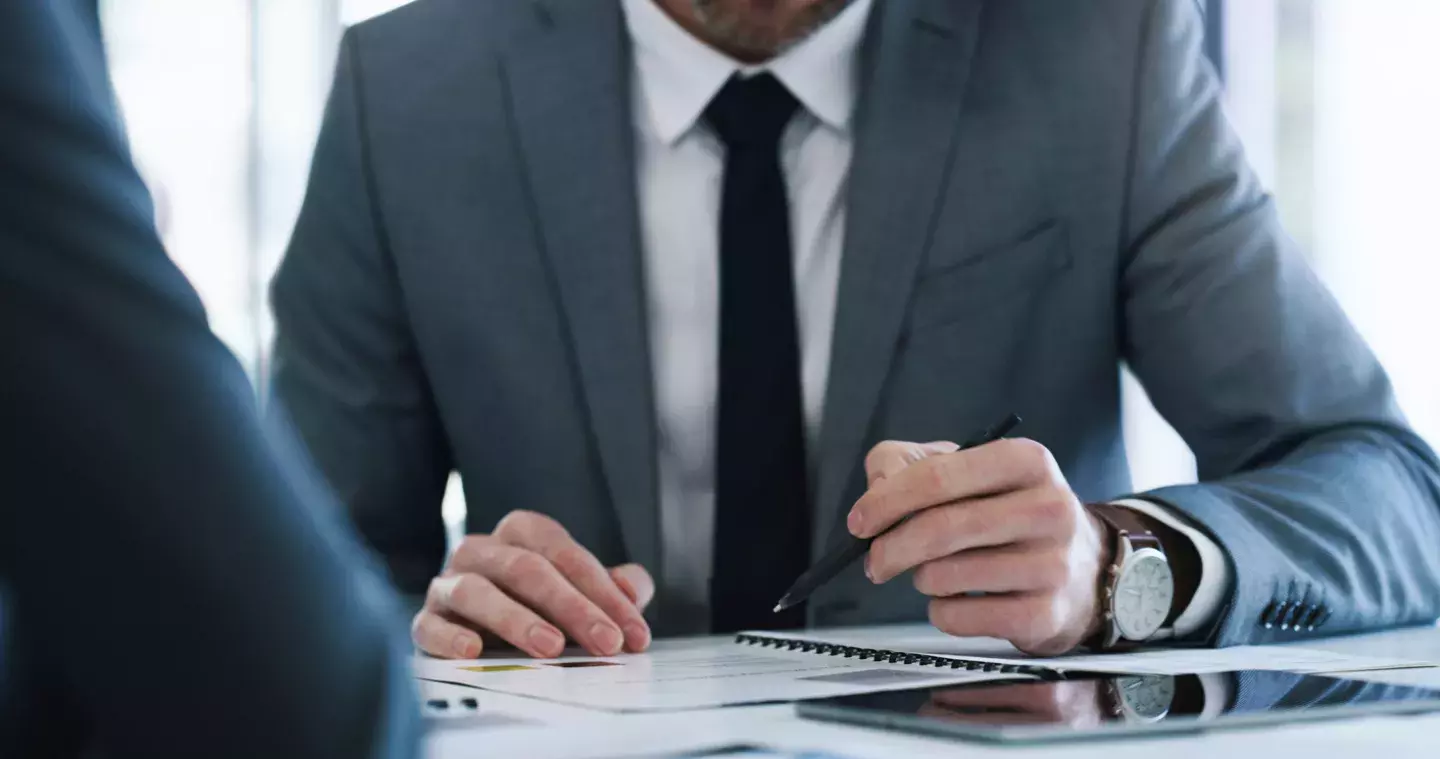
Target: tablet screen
<point>1110,705</point>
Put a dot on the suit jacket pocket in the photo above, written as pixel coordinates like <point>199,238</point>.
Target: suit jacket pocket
<point>996,277</point>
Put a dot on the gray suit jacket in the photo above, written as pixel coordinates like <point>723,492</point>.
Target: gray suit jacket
<point>1040,191</point>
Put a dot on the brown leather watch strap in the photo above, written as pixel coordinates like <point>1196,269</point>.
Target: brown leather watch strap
<point>1127,523</point>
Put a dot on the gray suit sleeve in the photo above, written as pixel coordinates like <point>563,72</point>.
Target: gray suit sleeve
<point>1311,480</point>
<point>346,371</point>
<point>1269,691</point>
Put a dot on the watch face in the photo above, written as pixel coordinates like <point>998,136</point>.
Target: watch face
<point>1143,594</point>
<point>1146,698</point>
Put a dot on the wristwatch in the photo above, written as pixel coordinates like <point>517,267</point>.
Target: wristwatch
<point>1138,587</point>
<point>1140,699</point>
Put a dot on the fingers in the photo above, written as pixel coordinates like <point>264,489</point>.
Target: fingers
<point>1036,623</point>
<point>635,583</point>
<point>625,586</point>
<point>1021,703</point>
<point>1034,698</point>
<point>977,716</point>
<point>997,519</point>
<point>478,600</point>
<point>997,467</point>
<point>891,456</point>
<point>529,578</point>
<point>532,585</point>
<point>1006,569</point>
<point>440,637</point>
<point>547,538</point>
<point>1075,702</point>
<point>1039,515</point>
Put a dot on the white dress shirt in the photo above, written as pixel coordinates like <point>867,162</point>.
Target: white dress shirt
<point>680,163</point>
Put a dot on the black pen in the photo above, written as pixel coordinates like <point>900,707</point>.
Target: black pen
<point>854,548</point>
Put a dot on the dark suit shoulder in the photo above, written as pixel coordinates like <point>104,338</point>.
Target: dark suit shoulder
<point>426,58</point>
<point>1080,18</point>
<point>425,27</point>
<point>1096,35</point>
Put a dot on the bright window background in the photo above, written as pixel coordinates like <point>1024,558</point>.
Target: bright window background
<point>1338,102</point>
<point>182,72</point>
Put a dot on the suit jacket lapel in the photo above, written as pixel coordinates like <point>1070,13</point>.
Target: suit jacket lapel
<point>916,65</point>
<point>569,86</point>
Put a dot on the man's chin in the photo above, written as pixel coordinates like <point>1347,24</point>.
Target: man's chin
<point>761,29</point>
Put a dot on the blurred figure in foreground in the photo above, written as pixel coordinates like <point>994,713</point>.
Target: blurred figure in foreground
<point>169,585</point>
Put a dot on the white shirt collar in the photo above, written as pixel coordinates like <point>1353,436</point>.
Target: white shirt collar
<point>679,75</point>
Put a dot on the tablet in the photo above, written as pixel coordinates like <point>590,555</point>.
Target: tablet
<point>1111,706</point>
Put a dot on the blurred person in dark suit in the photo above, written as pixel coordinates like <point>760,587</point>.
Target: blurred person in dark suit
<point>682,288</point>
<point>170,585</point>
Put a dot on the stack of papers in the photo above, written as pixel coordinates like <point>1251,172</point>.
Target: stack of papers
<point>698,676</point>
<point>711,673</point>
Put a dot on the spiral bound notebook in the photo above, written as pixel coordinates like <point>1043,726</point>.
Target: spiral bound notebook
<point>888,656</point>
<point>935,650</point>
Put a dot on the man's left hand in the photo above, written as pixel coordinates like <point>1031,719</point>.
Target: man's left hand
<point>998,519</point>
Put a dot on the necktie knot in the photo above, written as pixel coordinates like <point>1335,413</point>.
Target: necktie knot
<point>751,112</point>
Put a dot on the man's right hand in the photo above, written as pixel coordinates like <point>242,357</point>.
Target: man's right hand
<point>531,585</point>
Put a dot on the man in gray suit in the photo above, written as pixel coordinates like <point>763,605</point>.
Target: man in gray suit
<point>540,247</point>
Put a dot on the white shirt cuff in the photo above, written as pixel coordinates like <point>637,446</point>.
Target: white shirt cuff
<point>1214,570</point>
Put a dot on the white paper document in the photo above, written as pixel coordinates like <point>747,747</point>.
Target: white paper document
<point>705,674</point>
<point>799,666</point>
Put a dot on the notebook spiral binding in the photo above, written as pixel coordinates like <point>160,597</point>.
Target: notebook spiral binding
<point>895,657</point>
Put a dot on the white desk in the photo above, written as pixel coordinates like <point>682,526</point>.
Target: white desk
<point>568,732</point>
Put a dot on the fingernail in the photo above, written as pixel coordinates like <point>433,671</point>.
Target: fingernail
<point>854,521</point>
<point>466,646</point>
<point>606,638</point>
<point>546,640</point>
<point>869,573</point>
<point>638,635</point>
<point>942,446</point>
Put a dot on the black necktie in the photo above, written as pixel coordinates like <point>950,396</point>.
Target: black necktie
<point>762,512</point>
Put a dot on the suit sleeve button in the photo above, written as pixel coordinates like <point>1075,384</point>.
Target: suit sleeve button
<point>1282,614</point>
<point>1267,615</point>
<point>1293,617</point>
